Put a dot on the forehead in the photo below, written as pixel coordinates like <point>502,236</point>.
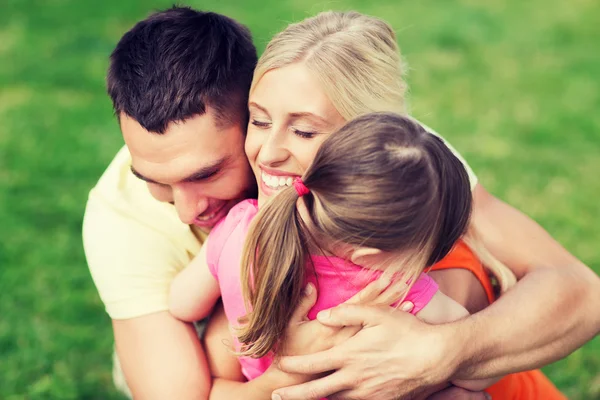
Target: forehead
<point>185,146</point>
<point>293,89</point>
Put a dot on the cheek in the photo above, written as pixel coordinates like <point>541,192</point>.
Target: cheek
<point>306,153</point>
<point>252,145</point>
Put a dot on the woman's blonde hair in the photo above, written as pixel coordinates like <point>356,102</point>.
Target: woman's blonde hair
<point>355,57</point>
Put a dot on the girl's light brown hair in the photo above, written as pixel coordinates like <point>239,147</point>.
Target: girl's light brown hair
<point>382,182</point>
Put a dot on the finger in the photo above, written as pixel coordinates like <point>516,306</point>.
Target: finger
<point>306,303</point>
<point>345,315</point>
<point>345,333</point>
<point>314,390</point>
<point>370,292</point>
<point>315,363</point>
<point>392,293</point>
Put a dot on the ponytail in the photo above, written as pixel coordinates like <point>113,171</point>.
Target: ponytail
<point>273,273</point>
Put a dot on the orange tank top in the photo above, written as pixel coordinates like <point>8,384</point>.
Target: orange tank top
<point>527,385</point>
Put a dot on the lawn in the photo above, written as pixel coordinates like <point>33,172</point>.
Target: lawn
<point>514,85</point>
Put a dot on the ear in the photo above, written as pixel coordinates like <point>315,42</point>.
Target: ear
<point>362,255</point>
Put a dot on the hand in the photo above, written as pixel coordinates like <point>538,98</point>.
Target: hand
<point>307,337</point>
<point>374,363</point>
<point>456,393</point>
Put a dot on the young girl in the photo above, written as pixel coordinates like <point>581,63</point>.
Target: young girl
<point>383,200</point>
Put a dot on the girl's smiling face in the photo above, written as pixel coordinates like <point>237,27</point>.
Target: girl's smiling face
<point>290,116</point>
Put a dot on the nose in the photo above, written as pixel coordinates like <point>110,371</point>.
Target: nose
<point>274,151</point>
<point>189,204</point>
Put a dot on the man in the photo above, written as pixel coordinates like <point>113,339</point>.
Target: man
<point>179,82</point>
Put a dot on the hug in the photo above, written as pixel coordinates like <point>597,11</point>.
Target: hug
<point>354,252</point>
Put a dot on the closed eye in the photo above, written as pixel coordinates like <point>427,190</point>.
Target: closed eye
<point>203,175</point>
<point>260,124</point>
<point>305,134</point>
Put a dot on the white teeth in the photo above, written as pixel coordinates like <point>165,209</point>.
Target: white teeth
<point>276,182</point>
<point>205,217</point>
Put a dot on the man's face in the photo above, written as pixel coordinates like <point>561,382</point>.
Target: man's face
<point>197,165</point>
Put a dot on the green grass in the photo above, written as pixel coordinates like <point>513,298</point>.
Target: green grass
<point>514,86</point>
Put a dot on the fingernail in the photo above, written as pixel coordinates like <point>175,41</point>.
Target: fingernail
<point>275,396</point>
<point>308,290</point>
<point>325,314</point>
<point>406,306</point>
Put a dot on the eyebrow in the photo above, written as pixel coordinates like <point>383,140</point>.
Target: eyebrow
<point>261,108</point>
<point>140,176</point>
<point>299,115</point>
<point>201,174</point>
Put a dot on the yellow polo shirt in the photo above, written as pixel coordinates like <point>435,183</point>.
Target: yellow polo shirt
<point>134,244</point>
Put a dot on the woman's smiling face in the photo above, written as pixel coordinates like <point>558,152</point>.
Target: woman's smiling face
<point>290,116</point>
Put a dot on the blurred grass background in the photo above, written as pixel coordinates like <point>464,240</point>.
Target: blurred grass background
<point>513,85</point>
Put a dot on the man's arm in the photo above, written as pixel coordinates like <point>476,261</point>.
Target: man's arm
<point>442,309</point>
<point>161,357</point>
<point>133,263</point>
<point>555,291</point>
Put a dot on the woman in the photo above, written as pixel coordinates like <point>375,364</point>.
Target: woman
<point>326,70</point>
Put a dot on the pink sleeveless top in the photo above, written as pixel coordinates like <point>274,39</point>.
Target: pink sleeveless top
<point>336,280</point>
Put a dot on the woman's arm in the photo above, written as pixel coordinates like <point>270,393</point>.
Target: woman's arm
<point>194,291</point>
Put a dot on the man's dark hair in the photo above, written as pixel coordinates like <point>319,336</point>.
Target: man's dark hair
<point>175,63</point>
